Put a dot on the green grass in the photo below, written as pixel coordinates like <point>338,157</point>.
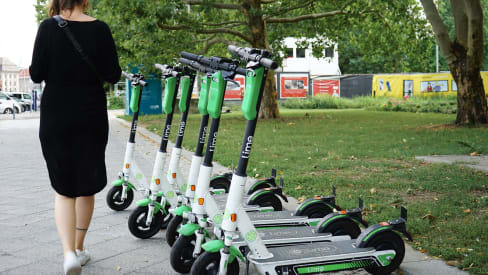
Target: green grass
<point>371,154</point>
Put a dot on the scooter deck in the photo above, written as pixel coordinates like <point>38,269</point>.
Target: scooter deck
<point>289,236</point>
<point>276,217</point>
<point>307,253</point>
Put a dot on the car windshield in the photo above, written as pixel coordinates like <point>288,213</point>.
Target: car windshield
<point>27,96</point>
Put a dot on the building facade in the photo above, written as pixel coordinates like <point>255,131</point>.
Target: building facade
<point>9,76</point>
<point>25,82</point>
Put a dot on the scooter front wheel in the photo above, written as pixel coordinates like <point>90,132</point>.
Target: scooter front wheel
<point>114,198</point>
<point>208,263</point>
<point>181,257</point>
<point>172,229</point>
<point>137,223</point>
<point>387,241</point>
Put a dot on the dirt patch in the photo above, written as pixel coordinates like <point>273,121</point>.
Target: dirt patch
<point>418,196</point>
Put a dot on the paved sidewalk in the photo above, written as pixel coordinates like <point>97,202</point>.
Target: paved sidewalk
<point>29,242</point>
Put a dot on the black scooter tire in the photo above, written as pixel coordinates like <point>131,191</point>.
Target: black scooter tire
<point>386,241</point>
<point>208,263</point>
<point>342,227</point>
<point>114,201</point>
<point>181,256</point>
<point>137,223</point>
<point>172,230</point>
<point>220,183</point>
<point>317,210</point>
<point>268,199</point>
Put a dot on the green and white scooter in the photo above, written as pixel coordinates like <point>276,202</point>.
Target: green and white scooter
<point>217,84</point>
<point>152,212</point>
<point>121,195</point>
<point>309,212</point>
<point>378,249</point>
<point>193,234</point>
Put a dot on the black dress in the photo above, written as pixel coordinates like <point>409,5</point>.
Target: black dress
<point>74,124</point>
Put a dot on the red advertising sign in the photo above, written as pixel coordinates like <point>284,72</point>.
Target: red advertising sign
<point>293,85</point>
<point>326,86</point>
<point>233,90</point>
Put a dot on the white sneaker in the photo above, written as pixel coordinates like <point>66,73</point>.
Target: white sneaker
<point>83,256</point>
<point>71,264</point>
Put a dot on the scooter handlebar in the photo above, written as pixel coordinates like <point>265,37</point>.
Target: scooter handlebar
<point>166,70</point>
<point>196,65</point>
<point>249,55</point>
<point>136,78</point>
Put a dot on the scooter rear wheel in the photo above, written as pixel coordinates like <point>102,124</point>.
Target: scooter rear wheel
<point>387,241</point>
<point>342,227</point>
<point>172,230</point>
<point>316,210</point>
<point>181,257</point>
<point>268,199</point>
<point>220,183</point>
<point>114,200</point>
<point>208,264</point>
<point>137,223</point>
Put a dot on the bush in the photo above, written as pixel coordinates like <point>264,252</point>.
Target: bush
<point>433,104</point>
<point>116,102</point>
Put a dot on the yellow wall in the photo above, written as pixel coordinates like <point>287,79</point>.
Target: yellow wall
<point>393,84</point>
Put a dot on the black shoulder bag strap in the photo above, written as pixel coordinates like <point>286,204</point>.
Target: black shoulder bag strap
<point>63,24</point>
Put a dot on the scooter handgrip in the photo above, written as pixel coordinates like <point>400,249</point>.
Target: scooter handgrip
<point>196,65</point>
<point>161,67</point>
<point>143,83</point>
<point>127,75</point>
<point>268,63</point>
<point>190,56</point>
<point>241,71</point>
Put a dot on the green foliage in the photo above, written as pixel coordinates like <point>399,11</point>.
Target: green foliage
<point>41,10</point>
<point>444,9</point>
<point>434,104</point>
<point>116,102</point>
<point>371,154</point>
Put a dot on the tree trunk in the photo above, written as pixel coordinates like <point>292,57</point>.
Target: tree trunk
<point>464,55</point>
<point>257,27</point>
<point>471,99</point>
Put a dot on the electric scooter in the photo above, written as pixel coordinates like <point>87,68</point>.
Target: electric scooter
<point>193,234</point>
<point>377,249</point>
<point>217,93</point>
<point>121,195</point>
<point>152,212</point>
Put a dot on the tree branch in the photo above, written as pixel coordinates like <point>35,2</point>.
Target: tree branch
<point>285,10</point>
<point>439,28</point>
<point>214,5</point>
<point>458,9</point>
<point>475,34</point>
<point>205,31</point>
<point>216,41</point>
<point>268,1</point>
<point>233,23</point>
<point>304,17</point>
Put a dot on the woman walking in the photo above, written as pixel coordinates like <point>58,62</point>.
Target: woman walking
<point>74,124</point>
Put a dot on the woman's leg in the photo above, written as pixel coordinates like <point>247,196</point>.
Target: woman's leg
<point>84,212</point>
<point>65,216</point>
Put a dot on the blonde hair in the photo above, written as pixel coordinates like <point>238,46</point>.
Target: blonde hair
<point>56,6</point>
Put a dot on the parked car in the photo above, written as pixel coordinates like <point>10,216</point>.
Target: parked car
<point>22,104</point>
<point>6,104</point>
<point>17,105</point>
<point>26,98</point>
